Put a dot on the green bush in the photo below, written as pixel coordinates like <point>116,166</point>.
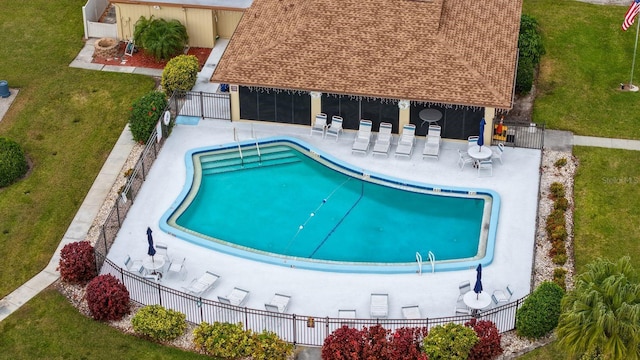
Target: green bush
<point>158,323</point>
<point>159,37</point>
<point>525,75</point>
<point>13,164</point>
<point>223,340</point>
<point>555,219</point>
<point>180,74</point>
<point>559,275</point>
<point>560,162</point>
<point>561,203</point>
<point>560,259</point>
<point>557,190</point>
<point>449,341</point>
<point>230,341</point>
<point>540,312</point>
<point>530,40</point>
<point>145,113</point>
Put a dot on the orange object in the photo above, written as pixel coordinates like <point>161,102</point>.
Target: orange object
<point>499,128</point>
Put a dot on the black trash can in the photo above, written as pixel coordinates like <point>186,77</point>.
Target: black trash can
<point>4,89</point>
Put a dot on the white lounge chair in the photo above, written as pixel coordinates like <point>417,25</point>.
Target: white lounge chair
<point>134,266</point>
<point>279,303</point>
<point>464,159</point>
<point>379,305</point>
<point>177,267</point>
<point>406,141</point>
<point>497,153</point>
<point>320,124</point>
<point>431,147</point>
<point>411,312</point>
<point>202,284</point>
<point>236,297</point>
<point>335,128</point>
<point>485,168</point>
<point>502,296</point>
<point>383,141</point>
<point>363,138</point>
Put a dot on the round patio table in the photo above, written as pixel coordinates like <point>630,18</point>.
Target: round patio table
<point>479,153</point>
<point>476,302</point>
<point>429,115</point>
<point>152,264</point>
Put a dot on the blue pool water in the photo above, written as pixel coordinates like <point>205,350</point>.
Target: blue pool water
<point>288,204</point>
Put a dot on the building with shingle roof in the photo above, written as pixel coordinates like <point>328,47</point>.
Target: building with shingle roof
<point>290,59</point>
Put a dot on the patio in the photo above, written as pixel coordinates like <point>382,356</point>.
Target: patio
<point>323,293</point>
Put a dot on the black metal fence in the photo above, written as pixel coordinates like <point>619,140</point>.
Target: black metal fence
<point>525,136</point>
<point>296,329</point>
<point>203,105</point>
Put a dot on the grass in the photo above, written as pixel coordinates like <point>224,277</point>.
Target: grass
<point>587,57</point>
<point>48,327</point>
<point>65,119</point>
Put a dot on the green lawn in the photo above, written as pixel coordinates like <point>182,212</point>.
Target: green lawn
<point>67,120</point>
<point>49,327</point>
<point>588,56</point>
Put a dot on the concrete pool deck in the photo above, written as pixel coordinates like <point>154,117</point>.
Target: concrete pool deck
<point>318,293</point>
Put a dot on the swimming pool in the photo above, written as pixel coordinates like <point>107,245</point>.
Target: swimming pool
<point>286,203</point>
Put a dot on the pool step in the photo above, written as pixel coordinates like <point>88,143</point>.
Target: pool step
<point>231,161</point>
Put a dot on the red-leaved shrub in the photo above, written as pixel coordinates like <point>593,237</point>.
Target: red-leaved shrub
<point>343,344</point>
<point>488,346</point>
<point>374,343</point>
<point>107,298</point>
<point>77,262</point>
<point>406,344</point>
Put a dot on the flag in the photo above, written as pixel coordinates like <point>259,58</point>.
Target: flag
<point>630,16</point>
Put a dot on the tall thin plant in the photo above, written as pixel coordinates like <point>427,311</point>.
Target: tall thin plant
<point>161,38</point>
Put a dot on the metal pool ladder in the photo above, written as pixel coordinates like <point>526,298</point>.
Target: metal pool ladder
<point>432,260</point>
<point>235,137</point>
<point>419,260</point>
<point>253,136</point>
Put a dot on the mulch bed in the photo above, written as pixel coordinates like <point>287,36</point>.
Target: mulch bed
<point>142,59</point>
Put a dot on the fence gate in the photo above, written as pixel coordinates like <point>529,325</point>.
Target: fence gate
<point>203,105</point>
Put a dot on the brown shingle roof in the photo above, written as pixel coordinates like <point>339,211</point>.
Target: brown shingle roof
<point>441,51</point>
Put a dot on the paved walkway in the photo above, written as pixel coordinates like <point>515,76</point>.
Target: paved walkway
<point>554,140</point>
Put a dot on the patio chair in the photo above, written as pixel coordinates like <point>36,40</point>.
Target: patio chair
<point>153,277</point>
<point>502,296</point>
<point>472,140</point>
<point>485,168</point>
<point>236,297</point>
<point>464,288</point>
<point>134,266</point>
<point>379,305</point>
<point>431,147</point>
<point>320,124</point>
<point>406,141</point>
<point>462,310</point>
<point>464,159</point>
<point>200,285</point>
<point>162,250</point>
<point>279,303</point>
<point>363,138</point>
<point>497,153</point>
<point>411,312</point>
<point>335,128</point>
<point>383,141</point>
<point>177,267</point>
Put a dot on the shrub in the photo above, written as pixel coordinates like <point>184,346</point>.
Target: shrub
<point>557,190</point>
<point>145,113</point>
<point>525,75</point>
<point>13,164</point>
<point>560,259</point>
<point>107,298</point>
<point>223,340</point>
<point>159,37</point>
<point>158,323</point>
<point>560,162</point>
<point>345,343</point>
<point>406,344</point>
<point>559,277</point>
<point>180,74</point>
<point>449,341</point>
<point>488,346</point>
<point>77,262</point>
<point>529,39</point>
<point>267,346</point>
<point>556,218</point>
<point>561,203</point>
<point>540,312</point>
<point>558,234</point>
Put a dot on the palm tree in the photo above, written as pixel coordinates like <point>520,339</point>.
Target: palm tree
<point>161,38</point>
<point>601,315</point>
